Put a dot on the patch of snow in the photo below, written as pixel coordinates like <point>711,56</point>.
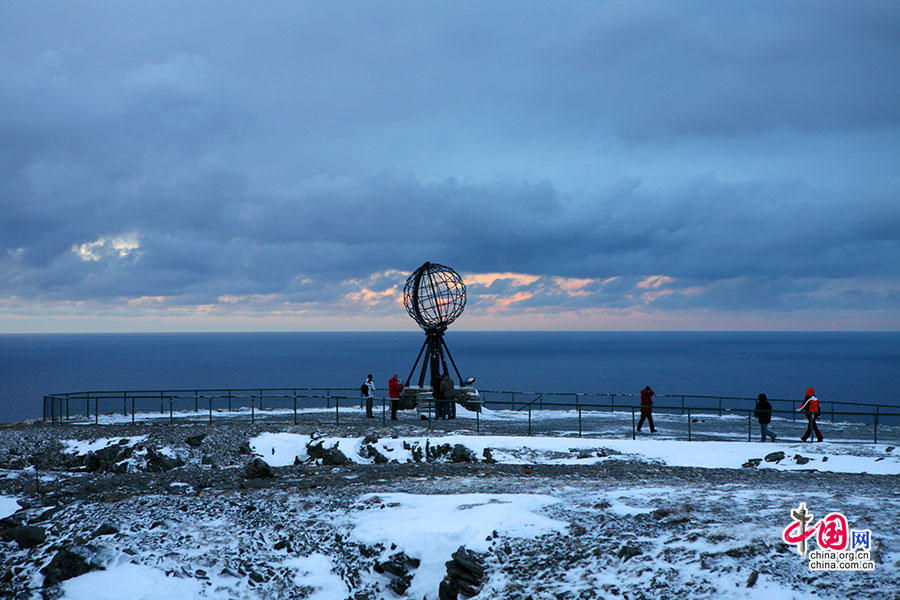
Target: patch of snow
<point>316,571</point>
<point>131,582</point>
<point>432,527</point>
<point>8,506</point>
<point>80,447</point>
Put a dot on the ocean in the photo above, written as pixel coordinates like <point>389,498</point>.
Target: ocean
<point>854,367</point>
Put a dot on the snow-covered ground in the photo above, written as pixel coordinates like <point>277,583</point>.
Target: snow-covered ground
<point>552,517</point>
<point>282,449</point>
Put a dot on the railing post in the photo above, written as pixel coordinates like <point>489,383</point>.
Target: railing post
<point>252,409</point>
<point>229,400</point>
<point>633,426</point>
<point>125,404</point>
<point>210,407</point>
<point>260,399</point>
<point>96,411</point>
<point>720,406</point>
<point>295,407</point>
<point>337,414</point>
<point>529,419</point>
<point>875,428</point>
<point>612,403</point>
<point>132,410</point>
<point>682,404</point>
<point>171,411</point>
<point>162,408</point>
<point>689,424</point>
<point>513,400</point>
<point>579,420</point>
<point>327,398</point>
<point>196,400</point>
<point>749,427</point>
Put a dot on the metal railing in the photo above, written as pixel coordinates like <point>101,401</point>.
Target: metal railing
<point>237,402</point>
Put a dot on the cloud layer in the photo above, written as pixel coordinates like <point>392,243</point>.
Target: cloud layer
<point>652,159</point>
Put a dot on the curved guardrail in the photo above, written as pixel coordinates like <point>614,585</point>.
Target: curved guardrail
<point>90,405</point>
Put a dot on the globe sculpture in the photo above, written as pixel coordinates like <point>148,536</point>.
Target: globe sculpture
<point>434,297</point>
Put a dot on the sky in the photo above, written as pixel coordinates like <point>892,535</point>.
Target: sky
<point>229,166</point>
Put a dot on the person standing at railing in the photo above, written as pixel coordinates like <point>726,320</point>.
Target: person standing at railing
<point>394,389</point>
<point>810,406</point>
<point>646,409</point>
<point>449,394</point>
<point>368,390</point>
<point>763,414</point>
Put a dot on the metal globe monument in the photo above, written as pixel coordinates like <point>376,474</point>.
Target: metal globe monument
<point>434,296</point>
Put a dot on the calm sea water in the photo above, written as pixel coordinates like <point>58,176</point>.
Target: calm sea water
<point>858,367</point>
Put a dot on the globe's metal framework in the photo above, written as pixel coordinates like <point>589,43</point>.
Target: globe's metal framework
<point>434,297</point>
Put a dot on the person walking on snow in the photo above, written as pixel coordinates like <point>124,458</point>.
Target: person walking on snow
<point>646,409</point>
<point>810,406</point>
<point>764,416</point>
<point>368,390</point>
<point>394,389</point>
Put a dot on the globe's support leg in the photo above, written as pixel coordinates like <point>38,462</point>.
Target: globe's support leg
<point>452,362</point>
<point>415,364</point>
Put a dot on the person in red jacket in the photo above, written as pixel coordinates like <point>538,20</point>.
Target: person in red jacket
<point>394,389</point>
<point>646,409</point>
<point>810,406</point>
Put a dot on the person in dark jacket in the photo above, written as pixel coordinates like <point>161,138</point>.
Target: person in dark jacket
<point>394,389</point>
<point>810,406</point>
<point>369,392</point>
<point>646,409</point>
<point>763,414</point>
<point>449,394</point>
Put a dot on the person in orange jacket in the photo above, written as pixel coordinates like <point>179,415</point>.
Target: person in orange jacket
<point>394,389</point>
<point>810,406</point>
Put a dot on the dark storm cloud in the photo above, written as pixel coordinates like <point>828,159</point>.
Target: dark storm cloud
<point>282,156</point>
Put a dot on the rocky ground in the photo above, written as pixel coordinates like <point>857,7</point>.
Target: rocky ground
<point>192,500</point>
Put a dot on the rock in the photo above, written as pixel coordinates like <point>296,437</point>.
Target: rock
<point>461,454</point>
<point>102,460</point>
<point>401,584</point>
<point>315,451</point>
<point>392,567</point>
<point>369,451</point>
<point>751,581</point>
<point>466,571</point>
<point>195,440</point>
<point>159,463</point>
<point>26,536</point>
<point>245,448</point>
<point>258,469</point>
<point>370,439</point>
<point>105,529</point>
<point>488,456</point>
<point>627,552</point>
<point>417,453</point>
<point>889,449</point>
<point>774,456</point>
<point>576,530</point>
<point>66,564</point>
<point>801,460</point>
<point>333,456</point>
<point>448,590</point>
<point>751,463</point>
